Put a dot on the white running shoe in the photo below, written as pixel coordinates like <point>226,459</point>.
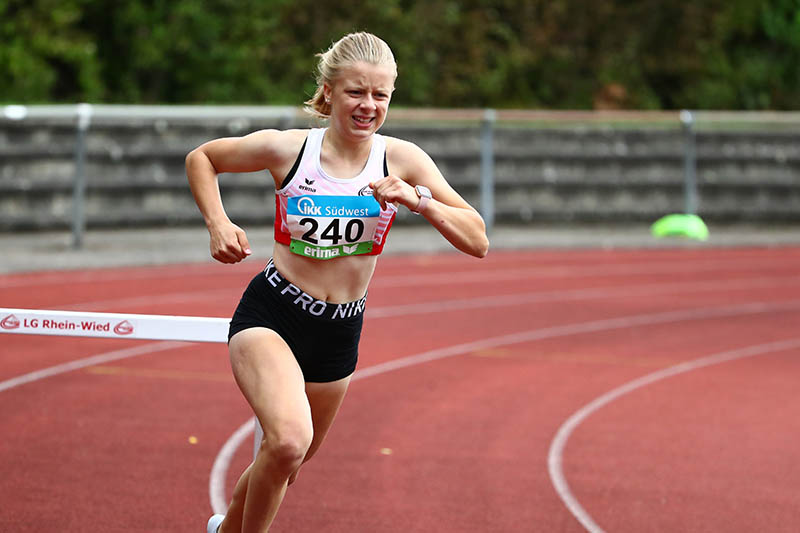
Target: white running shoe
<point>214,522</point>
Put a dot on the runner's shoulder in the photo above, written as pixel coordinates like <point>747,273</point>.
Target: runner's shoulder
<point>405,157</point>
<point>401,147</point>
<point>280,145</point>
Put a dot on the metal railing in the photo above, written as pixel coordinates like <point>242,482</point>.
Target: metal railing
<point>487,120</point>
<point>84,114</point>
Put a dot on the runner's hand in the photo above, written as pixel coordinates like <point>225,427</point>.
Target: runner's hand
<point>392,189</point>
<point>229,243</point>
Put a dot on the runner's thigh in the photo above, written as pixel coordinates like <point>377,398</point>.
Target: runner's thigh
<point>270,380</point>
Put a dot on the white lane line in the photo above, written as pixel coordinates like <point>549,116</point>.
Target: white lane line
<point>579,294</point>
<point>470,303</point>
<point>222,464</point>
<point>473,275</point>
<point>580,271</point>
<point>89,361</point>
<point>160,272</point>
<point>555,458</point>
<point>223,461</point>
<point>187,297</point>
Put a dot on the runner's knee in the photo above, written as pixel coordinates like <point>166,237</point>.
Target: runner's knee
<point>286,448</point>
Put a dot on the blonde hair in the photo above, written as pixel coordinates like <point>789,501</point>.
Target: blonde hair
<point>352,48</point>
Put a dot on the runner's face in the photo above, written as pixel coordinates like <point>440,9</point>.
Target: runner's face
<point>360,98</point>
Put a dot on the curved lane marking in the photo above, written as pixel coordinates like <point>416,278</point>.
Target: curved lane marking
<point>219,471</point>
<point>556,455</point>
<point>222,461</point>
<point>448,305</point>
<point>216,485</point>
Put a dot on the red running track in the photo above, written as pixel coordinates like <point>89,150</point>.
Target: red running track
<point>527,417</point>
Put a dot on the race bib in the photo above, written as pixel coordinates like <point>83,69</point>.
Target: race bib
<point>325,227</point>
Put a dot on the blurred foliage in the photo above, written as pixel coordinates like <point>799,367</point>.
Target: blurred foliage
<point>559,54</point>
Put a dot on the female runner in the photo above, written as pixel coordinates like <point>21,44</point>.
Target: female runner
<point>293,339</point>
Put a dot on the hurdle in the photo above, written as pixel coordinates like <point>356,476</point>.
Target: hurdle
<point>113,325</point>
<point>118,326</point>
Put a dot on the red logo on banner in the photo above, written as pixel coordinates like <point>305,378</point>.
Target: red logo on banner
<point>123,328</point>
<point>9,322</point>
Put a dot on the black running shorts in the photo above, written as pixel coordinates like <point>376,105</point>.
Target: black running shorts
<point>323,336</point>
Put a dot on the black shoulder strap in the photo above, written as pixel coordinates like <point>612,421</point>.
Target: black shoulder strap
<point>296,165</point>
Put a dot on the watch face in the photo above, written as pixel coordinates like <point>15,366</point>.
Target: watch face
<point>423,191</point>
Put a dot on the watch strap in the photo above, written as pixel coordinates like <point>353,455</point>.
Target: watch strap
<point>424,195</point>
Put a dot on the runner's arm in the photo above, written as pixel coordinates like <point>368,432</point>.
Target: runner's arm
<point>447,211</point>
<point>252,152</point>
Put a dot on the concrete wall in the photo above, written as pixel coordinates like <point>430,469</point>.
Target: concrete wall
<point>560,174</point>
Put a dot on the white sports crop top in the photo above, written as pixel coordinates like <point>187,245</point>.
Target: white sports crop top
<point>323,217</point>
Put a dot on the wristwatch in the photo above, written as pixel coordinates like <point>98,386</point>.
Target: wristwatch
<point>424,195</point>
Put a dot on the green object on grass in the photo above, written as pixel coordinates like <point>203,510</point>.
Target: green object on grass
<point>690,226</point>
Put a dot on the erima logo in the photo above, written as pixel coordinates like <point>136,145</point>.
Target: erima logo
<point>365,191</point>
<point>321,253</point>
<point>307,187</point>
<point>349,249</point>
<point>306,206</point>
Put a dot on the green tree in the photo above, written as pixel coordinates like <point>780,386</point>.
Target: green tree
<point>649,54</point>
<point>44,53</point>
<point>753,61</point>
